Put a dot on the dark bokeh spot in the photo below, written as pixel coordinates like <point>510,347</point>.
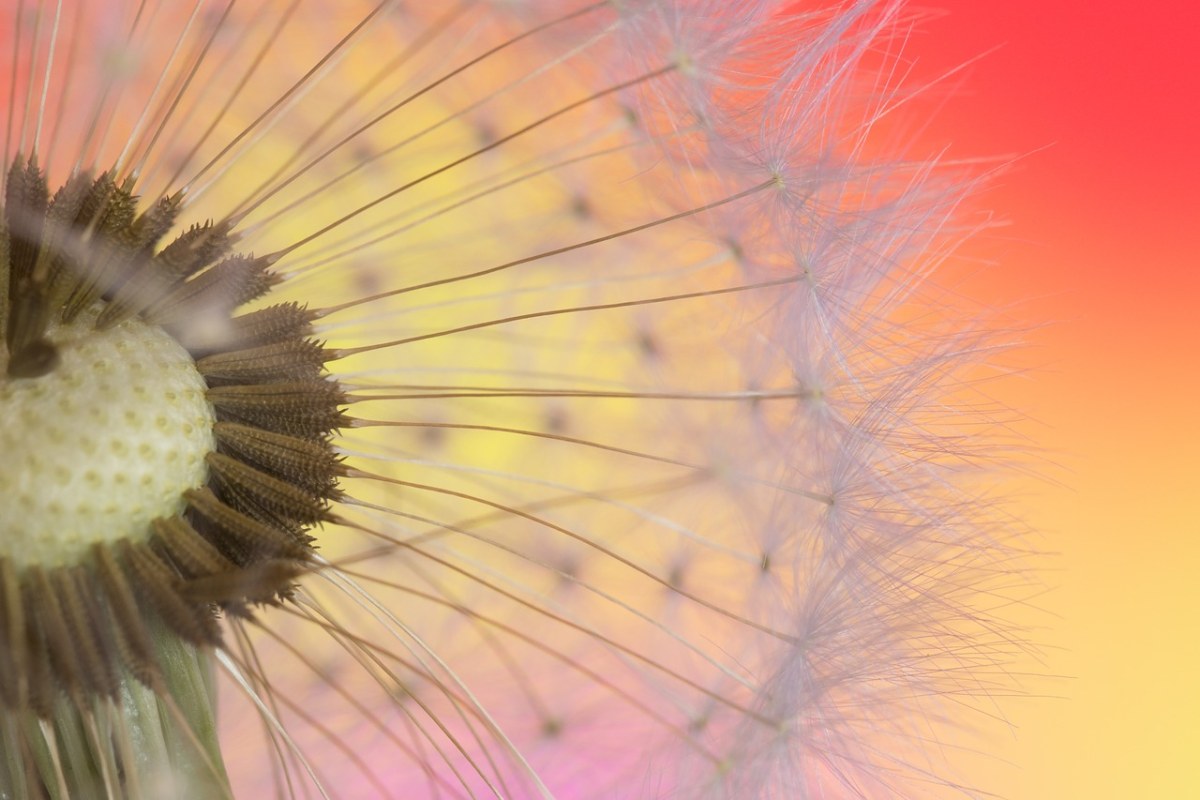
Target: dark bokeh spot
<point>485,133</point>
<point>363,153</point>
<point>557,420</point>
<point>568,569</point>
<point>648,344</point>
<point>580,207</point>
<point>736,251</point>
<point>433,437</point>
<point>366,281</point>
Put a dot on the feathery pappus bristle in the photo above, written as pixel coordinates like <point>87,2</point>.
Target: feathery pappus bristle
<point>502,398</point>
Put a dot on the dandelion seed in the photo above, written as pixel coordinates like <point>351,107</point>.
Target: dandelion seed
<point>484,399</point>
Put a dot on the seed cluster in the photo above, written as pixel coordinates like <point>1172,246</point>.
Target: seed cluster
<point>88,262</point>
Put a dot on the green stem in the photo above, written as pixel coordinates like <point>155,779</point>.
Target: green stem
<point>140,746</point>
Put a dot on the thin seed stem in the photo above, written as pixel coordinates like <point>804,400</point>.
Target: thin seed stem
<point>135,132</point>
<point>64,94</point>
<point>330,252</point>
<point>295,87</point>
<point>345,353</point>
<point>12,86</point>
<point>231,668</point>
<point>362,163</point>
<point>538,644</point>
<point>440,392</point>
<point>555,251</point>
<point>181,90</point>
<point>406,100</point>
<point>468,699</point>
<point>354,702</point>
<point>274,37</point>
<point>372,651</point>
<point>37,136</point>
<point>476,153</point>
<point>363,88</point>
<point>570,534</point>
<point>33,55</point>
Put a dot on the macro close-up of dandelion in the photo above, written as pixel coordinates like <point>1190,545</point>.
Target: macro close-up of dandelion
<point>495,398</point>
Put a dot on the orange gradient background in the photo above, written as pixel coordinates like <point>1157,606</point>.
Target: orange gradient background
<point>1098,103</point>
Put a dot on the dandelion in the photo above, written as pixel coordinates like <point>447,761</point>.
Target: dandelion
<point>483,399</point>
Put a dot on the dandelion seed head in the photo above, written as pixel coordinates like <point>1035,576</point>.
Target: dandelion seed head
<point>622,370</point>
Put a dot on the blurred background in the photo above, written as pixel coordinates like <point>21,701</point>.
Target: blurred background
<point>1097,103</point>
